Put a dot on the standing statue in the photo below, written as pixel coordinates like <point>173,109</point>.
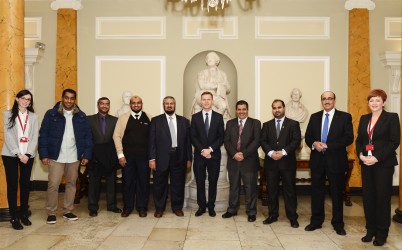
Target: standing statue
<point>295,109</point>
<point>125,107</point>
<point>214,80</point>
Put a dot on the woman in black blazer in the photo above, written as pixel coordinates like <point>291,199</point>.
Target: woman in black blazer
<point>377,139</point>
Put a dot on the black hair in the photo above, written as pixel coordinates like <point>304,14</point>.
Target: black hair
<point>14,110</point>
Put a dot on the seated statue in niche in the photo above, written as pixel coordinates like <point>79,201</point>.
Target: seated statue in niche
<point>214,80</point>
<point>125,107</point>
<point>295,109</point>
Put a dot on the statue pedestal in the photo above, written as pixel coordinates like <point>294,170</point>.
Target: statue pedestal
<point>222,196</point>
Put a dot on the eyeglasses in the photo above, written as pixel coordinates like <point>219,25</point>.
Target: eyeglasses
<point>26,99</point>
<point>327,99</point>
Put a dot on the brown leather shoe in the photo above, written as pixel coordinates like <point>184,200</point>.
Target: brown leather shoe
<point>125,213</point>
<point>179,213</point>
<point>142,213</point>
<point>158,214</point>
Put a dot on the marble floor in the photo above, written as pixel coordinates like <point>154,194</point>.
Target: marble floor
<point>110,231</point>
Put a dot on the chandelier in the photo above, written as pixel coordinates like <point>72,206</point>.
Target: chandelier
<point>210,3</point>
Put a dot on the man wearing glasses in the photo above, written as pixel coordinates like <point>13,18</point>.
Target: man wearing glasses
<point>328,134</point>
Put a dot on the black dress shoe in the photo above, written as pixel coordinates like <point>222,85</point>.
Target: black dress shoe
<point>125,213</point>
<point>25,220</point>
<point>142,213</point>
<point>228,215</point>
<point>211,212</point>
<point>368,238</point>
<point>200,212</point>
<point>311,227</point>
<point>115,210</point>
<point>16,224</point>
<point>294,223</point>
<point>251,218</point>
<point>270,220</point>
<point>379,242</point>
<point>93,213</point>
<point>340,231</point>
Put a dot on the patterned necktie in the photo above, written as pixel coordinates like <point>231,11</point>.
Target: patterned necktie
<point>172,132</point>
<point>240,131</point>
<point>206,124</point>
<point>103,123</point>
<point>278,128</point>
<point>325,129</point>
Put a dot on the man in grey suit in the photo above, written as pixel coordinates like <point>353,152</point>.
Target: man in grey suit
<point>241,142</point>
<point>280,137</point>
<point>104,161</point>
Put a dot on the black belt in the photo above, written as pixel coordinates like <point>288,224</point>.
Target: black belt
<point>173,149</point>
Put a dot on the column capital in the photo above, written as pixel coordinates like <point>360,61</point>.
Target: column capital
<point>66,4</point>
<point>359,4</point>
<point>392,62</point>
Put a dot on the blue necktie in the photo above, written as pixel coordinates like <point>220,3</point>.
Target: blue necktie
<point>325,129</point>
<point>206,124</point>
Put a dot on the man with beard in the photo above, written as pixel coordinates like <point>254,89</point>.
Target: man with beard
<point>104,160</point>
<point>170,155</point>
<point>328,133</point>
<point>280,137</point>
<point>131,141</point>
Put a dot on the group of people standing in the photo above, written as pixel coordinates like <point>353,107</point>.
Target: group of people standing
<point>68,138</point>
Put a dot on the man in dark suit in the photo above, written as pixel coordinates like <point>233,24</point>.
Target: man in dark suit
<point>207,132</point>
<point>170,154</point>
<point>242,139</point>
<point>104,159</point>
<point>280,138</point>
<point>328,134</point>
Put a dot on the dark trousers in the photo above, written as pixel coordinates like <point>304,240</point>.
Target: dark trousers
<point>238,172</point>
<point>288,178</point>
<point>136,175</point>
<point>377,190</point>
<point>95,188</point>
<point>11,166</point>
<point>336,187</point>
<point>176,172</point>
<point>201,167</point>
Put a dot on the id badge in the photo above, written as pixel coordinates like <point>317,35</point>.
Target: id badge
<point>24,139</point>
<point>369,147</point>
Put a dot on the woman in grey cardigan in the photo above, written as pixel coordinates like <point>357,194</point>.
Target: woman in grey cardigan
<point>20,141</point>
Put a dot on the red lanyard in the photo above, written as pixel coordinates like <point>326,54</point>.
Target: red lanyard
<point>25,124</point>
<point>370,131</point>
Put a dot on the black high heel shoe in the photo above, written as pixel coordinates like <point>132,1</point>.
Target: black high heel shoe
<point>379,242</point>
<point>16,224</point>
<point>368,238</point>
<point>25,220</point>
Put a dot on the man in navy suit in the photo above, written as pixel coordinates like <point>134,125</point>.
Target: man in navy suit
<point>207,132</point>
<point>170,154</point>
<point>104,159</point>
<point>328,134</point>
<point>280,137</point>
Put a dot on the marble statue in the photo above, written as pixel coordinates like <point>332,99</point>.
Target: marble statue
<point>125,107</point>
<point>214,80</point>
<point>295,109</point>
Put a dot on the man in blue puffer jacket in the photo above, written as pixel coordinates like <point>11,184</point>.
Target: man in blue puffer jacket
<point>65,143</point>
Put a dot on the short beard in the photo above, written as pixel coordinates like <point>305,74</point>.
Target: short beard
<point>169,112</point>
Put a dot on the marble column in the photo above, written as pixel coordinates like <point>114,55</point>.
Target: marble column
<point>392,62</point>
<point>11,72</point>
<point>66,45</point>
<point>358,71</point>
